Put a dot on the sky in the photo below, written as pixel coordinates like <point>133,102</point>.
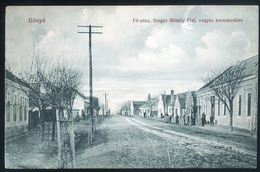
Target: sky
<point>133,59</point>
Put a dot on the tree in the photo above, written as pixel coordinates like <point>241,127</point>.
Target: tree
<point>60,82</point>
<point>225,86</point>
<point>126,107</point>
<point>190,105</point>
<point>151,102</point>
<point>164,102</point>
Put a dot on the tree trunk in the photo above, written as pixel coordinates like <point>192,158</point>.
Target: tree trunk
<point>72,142</point>
<point>231,115</point>
<point>58,115</point>
<point>53,130</point>
<point>41,125</point>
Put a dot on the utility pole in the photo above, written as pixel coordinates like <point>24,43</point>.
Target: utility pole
<point>105,103</point>
<point>91,105</point>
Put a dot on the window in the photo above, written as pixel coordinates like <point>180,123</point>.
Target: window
<point>20,109</point>
<point>25,110</point>
<point>249,104</point>
<point>218,107</point>
<point>8,108</point>
<point>225,108</point>
<point>14,117</point>
<point>239,105</point>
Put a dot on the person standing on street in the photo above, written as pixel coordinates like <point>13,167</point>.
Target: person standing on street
<point>211,120</point>
<point>203,119</point>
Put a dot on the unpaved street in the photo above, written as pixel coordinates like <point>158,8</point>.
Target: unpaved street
<point>133,142</point>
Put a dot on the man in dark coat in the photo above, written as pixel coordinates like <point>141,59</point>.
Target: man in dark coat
<point>203,119</point>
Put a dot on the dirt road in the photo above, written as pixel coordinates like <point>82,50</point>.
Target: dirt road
<point>132,142</point>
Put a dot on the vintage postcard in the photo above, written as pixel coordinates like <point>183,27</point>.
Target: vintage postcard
<point>131,86</point>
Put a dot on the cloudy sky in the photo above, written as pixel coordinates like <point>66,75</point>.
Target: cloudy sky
<point>132,59</point>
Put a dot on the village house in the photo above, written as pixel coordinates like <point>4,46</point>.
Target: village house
<point>179,106</point>
<point>172,104</point>
<point>191,107</point>
<point>150,107</point>
<point>183,105</point>
<point>16,106</point>
<point>163,103</point>
<point>47,113</point>
<point>79,104</point>
<point>134,107</point>
<point>244,104</point>
<point>96,107</point>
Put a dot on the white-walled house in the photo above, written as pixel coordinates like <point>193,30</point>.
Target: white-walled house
<point>163,103</point>
<point>172,104</point>
<point>150,107</point>
<point>16,106</point>
<point>134,107</point>
<point>179,106</point>
<point>244,104</point>
<point>191,106</point>
<point>79,104</point>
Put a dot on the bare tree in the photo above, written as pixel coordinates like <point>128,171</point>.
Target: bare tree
<point>126,106</point>
<point>164,102</point>
<point>151,102</point>
<point>225,86</point>
<point>60,82</point>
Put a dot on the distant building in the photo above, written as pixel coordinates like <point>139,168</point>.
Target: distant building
<point>244,105</point>
<point>79,104</point>
<point>150,107</point>
<point>16,105</point>
<point>183,105</point>
<point>96,107</point>
<point>172,104</point>
<point>163,103</point>
<point>134,107</point>
<point>179,107</point>
<point>191,107</point>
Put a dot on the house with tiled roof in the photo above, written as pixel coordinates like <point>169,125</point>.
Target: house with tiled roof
<point>16,105</point>
<point>179,106</point>
<point>163,103</point>
<point>134,107</point>
<point>191,107</point>
<point>150,107</point>
<point>172,104</point>
<point>244,104</point>
<point>79,104</point>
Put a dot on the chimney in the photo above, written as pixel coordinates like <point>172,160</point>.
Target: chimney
<point>149,96</point>
<point>172,92</point>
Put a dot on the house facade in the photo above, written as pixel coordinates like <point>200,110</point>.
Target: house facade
<point>150,107</point>
<point>191,107</point>
<point>244,104</point>
<point>16,106</point>
<point>134,107</point>
<point>79,104</point>
<point>163,103</point>
<point>172,104</point>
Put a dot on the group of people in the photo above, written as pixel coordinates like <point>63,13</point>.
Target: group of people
<point>203,120</point>
<point>187,119</point>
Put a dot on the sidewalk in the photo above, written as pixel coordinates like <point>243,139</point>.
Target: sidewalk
<point>207,127</point>
<point>27,151</point>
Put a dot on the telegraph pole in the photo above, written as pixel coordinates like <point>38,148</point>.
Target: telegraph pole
<point>91,105</point>
<point>105,103</point>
